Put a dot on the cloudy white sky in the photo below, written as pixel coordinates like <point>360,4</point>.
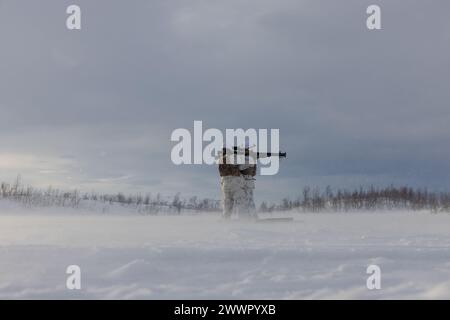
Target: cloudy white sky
<point>94,109</point>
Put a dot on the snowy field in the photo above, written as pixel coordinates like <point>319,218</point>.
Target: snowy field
<point>318,256</point>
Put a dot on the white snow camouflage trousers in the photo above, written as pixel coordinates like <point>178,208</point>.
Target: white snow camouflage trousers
<point>237,192</point>
<point>248,206</point>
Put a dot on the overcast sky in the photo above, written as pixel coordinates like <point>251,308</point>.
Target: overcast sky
<point>94,109</point>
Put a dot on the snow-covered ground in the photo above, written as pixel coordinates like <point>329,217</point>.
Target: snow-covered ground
<point>199,256</point>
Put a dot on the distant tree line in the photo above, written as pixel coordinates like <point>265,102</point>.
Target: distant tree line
<point>363,199</point>
<point>309,200</point>
<point>145,204</point>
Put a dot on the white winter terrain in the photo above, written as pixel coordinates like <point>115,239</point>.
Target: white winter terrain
<point>318,256</point>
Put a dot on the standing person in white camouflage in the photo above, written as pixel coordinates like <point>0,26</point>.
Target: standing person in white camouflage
<point>238,180</point>
<point>248,172</point>
<point>231,182</point>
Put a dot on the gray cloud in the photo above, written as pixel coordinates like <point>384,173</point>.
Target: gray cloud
<point>354,107</point>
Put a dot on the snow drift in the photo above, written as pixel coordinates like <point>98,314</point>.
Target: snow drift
<point>317,256</point>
